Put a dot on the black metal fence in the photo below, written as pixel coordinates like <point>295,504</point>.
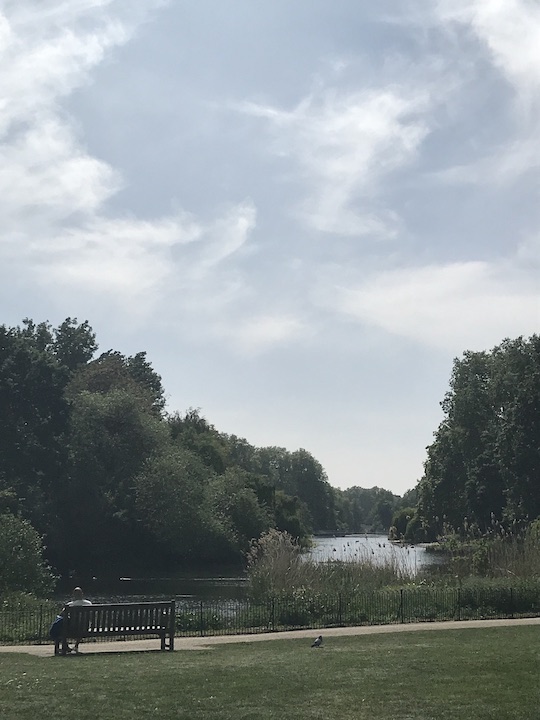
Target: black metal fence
<point>305,611</point>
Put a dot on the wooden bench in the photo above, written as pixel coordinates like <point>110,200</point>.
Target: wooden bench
<point>120,619</point>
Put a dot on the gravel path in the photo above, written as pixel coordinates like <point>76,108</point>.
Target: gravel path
<point>204,643</point>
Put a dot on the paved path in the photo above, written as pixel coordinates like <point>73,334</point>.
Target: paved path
<point>203,643</point>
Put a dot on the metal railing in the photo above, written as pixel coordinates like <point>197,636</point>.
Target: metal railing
<point>303,611</point>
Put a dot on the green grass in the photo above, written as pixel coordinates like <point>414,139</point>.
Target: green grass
<point>476,674</point>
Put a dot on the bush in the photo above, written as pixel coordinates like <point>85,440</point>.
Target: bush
<point>22,567</point>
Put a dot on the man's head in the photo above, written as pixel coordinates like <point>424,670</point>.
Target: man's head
<point>78,594</point>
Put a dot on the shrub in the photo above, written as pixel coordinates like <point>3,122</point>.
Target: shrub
<point>22,567</point>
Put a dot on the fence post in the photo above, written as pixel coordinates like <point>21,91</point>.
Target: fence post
<point>273,614</point>
<point>40,631</point>
<point>459,603</point>
<point>201,618</point>
<point>512,603</point>
<point>340,610</point>
<point>401,608</point>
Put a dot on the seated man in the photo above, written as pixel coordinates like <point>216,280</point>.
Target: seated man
<point>78,599</point>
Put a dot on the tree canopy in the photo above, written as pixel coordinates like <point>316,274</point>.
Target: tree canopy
<point>92,461</point>
<point>482,471</point>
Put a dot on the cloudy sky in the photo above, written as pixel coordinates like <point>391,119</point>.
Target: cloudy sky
<point>302,211</point>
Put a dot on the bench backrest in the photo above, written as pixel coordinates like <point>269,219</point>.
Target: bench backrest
<point>146,617</point>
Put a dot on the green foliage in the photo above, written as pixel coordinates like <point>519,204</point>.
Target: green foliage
<point>33,419</point>
<point>278,567</point>
<point>89,457</point>
<point>499,554</point>
<point>193,432</point>
<point>365,510</point>
<point>274,565</point>
<point>400,521</point>
<point>292,516</point>
<point>483,464</point>
<point>25,618</point>
<point>415,531</point>
<point>170,498</point>
<point>74,345</point>
<point>22,566</point>
<point>113,371</point>
<point>235,501</point>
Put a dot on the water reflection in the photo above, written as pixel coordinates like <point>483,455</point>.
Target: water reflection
<point>374,548</point>
<point>137,589</point>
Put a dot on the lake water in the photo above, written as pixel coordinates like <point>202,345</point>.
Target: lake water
<point>230,586</point>
<point>371,547</point>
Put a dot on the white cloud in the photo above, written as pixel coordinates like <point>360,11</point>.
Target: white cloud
<point>48,52</point>
<point>260,332</point>
<point>508,33</point>
<point>344,145</point>
<point>227,235</point>
<point>46,175</point>
<point>510,29</point>
<point>507,163</point>
<point>465,305</point>
<point>53,192</point>
<point>113,255</point>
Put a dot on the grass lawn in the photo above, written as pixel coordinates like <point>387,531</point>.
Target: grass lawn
<point>465,674</point>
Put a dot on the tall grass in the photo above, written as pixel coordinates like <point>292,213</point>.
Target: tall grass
<point>278,566</point>
<point>501,554</point>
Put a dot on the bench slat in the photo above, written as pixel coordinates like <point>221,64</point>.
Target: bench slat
<point>104,620</point>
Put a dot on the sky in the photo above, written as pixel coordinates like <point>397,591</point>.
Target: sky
<point>302,211</point>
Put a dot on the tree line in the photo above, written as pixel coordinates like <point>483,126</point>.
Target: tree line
<point>482,473</point>
<point>91,460</point>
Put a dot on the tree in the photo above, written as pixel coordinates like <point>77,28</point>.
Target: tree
<point>400,520</point>
<point>172,501</point>
<point>365,509</point>
<point>292,516</point>
<point>193,432</point>
<point>114,371</point>
<point>310,483</point>
<point>89,457</point>
<point>518,437</point>
<point>300,475</point>
<point>239,508</point>
<point>74,345</point>
<point>22,567</point>
<point>33,419</point>
<point>111,437</point>
<point>483,467</point>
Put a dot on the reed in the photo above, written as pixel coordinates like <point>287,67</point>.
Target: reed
<point>501,553</point>
<point>278,566</point>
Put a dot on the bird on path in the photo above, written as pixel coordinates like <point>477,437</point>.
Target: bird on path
<point>317,642</point>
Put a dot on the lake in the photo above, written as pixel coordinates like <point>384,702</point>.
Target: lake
<point>229,586</point>
<point>374,547</point>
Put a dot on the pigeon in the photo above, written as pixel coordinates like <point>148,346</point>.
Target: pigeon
<point>317,642</point>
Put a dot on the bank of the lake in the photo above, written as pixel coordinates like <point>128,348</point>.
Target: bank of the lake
<point>229,584</point>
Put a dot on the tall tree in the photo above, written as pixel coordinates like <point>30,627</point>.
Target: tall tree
<point>33,418</point>
<point>112,435</point>
<point>484,464</point>
<point>172,502</point>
